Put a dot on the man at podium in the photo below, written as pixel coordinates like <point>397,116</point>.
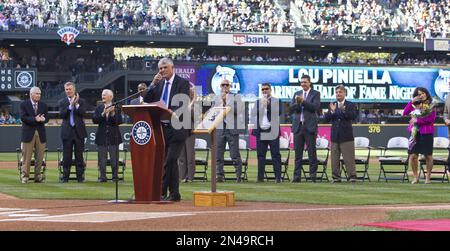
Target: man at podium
<point>165,85</point>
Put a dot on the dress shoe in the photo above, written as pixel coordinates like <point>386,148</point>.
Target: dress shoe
<point>296,181</point>
<point>278,181</point>
<point>174,198</point>
<point>260,180</point>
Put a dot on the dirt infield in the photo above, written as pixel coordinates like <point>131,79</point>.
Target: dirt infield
<point>18,214</point>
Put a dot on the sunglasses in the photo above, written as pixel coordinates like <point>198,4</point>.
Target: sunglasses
<point>265,89</point>
<point>224,85</point>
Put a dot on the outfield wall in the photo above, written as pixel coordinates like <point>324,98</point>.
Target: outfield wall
<point>378,134</point>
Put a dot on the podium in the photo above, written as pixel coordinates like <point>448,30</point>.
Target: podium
<point>147,150</point>
<point>213,198</point>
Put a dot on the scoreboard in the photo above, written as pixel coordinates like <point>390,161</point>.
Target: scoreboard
<point>17,79</point>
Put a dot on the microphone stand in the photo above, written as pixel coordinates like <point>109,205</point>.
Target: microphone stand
<point>115,172</point>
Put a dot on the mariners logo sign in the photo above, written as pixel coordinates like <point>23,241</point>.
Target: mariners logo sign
<point>68,34</point>
<point>141,133</point>
<point>24,79</point>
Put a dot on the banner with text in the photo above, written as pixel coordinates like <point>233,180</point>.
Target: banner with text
<point>363,84</point>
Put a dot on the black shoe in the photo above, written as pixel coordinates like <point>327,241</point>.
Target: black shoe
<point>174,198</point>
<point>260,180</point>
<point>238,180</point>
<point>278,181</point>
<point>63,181</point>
<point>296,181</point>
<point>81,181</point>
<point>220,179</point>
<point>102,180</point>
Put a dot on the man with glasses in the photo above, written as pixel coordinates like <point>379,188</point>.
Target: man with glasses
<point>228,131</point>
<point>305,108</point>
<point>266,119</point>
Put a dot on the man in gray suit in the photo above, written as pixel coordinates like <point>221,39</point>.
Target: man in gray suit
<point>304,109</point>
<point>229,130</point>
<point>142,89</point>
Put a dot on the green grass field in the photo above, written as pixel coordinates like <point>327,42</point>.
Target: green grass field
<point>324,193</point>
<point>361,193</point>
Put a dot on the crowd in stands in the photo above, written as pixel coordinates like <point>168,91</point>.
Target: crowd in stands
<point>308,58</point>
<point>8,119</point>
<point>333,18</point>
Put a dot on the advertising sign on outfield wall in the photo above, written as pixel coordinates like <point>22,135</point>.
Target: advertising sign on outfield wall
<point>251,40</point>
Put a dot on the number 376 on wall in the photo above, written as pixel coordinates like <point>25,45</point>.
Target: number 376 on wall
<point>374,129</point>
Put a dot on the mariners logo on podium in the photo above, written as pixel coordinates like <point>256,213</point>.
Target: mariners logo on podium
<point>141,133</point>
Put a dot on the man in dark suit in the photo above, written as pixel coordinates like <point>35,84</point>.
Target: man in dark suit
<point>266,115</point>
<point>108,135</point>
<point>229,130</point>
<point>341,114</point>
<point>33,114</point>
<point>165,85</point>
<point>72,109</point>
<point>304,109</point>
<point>142,89</point>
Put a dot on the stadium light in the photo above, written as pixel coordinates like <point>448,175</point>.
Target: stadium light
<point>12,45</point>
<point>380,47</point>
<point>323,46</point>
<point>297,50</point>
<point>79,46</point>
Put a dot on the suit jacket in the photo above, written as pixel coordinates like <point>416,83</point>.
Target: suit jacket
<point>79,113</point>
<point>258,120</point>
<point>29,124</point>
<point>110,126</point>
<point>234,122</point>
<point>341,122</point>
<point>179,86</point>
<point>135,101</point>
<point>311,107</point>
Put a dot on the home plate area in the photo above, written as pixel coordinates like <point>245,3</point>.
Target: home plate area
<point>20,214</point>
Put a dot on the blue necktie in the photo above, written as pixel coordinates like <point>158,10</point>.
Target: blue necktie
<point>72,118</point>
<point>165,97</point>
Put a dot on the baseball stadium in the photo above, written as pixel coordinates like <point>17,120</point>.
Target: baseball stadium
<point>366,79</point>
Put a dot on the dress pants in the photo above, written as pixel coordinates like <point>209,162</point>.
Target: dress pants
<point>27,152</point>
<point>103,151</point>
<point>186,161</point>
<point>171,175</point>
<point>261,148</point>
<point>69,145</point>
<point>224,136</point>
<point>300,139</point>
<point>348,154</point>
